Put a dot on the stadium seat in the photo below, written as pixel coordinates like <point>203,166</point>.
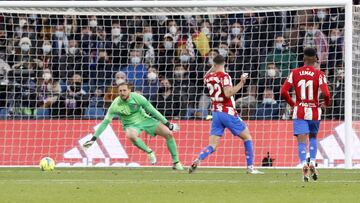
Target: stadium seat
<point>42,113</point>
<point>3,113</point>
<point>94,113</point>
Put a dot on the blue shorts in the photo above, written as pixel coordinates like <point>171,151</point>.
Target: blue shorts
<point>305,127</point>
<point>221,120</point>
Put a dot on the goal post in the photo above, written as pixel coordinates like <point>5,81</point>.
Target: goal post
<point>184,12</point>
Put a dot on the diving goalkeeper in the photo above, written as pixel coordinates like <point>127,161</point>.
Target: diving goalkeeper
<point>132,109</point>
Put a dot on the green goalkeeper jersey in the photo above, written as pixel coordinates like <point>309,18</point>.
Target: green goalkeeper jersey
<point>134,110</point>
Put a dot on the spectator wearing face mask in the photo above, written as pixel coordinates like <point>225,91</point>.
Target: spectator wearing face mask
<point>283,58</point>
<point>60,41</point>
<point>147,45</point>
<point>165,55</point>
<point>269,108</point>
<point>112,91</point>
<point>151,84</point>
<point>184,88</point>
<point>73,62</point>
<point>315,38</point>
<point>336,47</point>
<point>271,80</point>
<point>45,58</point>
<point>24,55</point>
<point>48,90</point>
<point>117,47</point>
<point>166,102</point>
<point>338,92</point>
<point>136,71</point>
<point>73,101</point>
<point>101,72</point>
<point>206,29</point>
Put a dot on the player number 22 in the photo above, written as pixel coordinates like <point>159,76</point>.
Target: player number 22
<point>217,89</point>
<point>303,84</point>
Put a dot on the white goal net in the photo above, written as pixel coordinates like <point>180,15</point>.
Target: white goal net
<point>59,69</point>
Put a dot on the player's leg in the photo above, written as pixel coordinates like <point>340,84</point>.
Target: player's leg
<point>249,150</point>
<point>217,130</point>
<point>164,132</point>
<point>314,128</point>
<point>239,129</point>
<point>132,134</point>
<point>301,131</point>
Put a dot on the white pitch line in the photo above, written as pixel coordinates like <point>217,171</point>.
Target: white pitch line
<point>32,181</point>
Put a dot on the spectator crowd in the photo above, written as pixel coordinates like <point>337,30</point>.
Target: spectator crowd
<point>69,66</point>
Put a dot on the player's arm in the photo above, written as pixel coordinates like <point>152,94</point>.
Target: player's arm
<point>324,89</point>
<point>149,108</point>
<point>230,91</point>
<point>104,123</point>
<point>285,90</point>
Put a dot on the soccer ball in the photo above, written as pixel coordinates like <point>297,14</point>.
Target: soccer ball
<point>47,164</point>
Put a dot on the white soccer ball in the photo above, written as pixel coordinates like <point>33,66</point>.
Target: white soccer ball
<point>47,164</point>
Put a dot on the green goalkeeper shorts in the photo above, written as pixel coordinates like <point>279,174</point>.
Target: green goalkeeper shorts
<point>149,125</point>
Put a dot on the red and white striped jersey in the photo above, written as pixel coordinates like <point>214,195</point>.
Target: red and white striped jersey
<point>216,82</point>
<point>306,81</point>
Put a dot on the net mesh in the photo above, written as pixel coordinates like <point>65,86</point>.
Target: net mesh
<point>59,69</point>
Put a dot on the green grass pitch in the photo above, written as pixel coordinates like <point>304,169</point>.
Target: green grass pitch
<point>164,185</point>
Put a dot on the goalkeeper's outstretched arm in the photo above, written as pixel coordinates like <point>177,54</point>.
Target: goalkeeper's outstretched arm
<point>108,118</point>
<point>149,108</point>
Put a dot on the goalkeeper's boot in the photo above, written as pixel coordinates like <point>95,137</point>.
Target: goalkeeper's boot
<point>313,172</point>
<point>306,173</point>
<point>152,158</point>
<point>194,165</point>
<point>253,171</point>
<point>178,166</point>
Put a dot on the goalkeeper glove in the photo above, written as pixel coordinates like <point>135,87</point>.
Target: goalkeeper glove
<point>173,126</point>
<point>89,143</point>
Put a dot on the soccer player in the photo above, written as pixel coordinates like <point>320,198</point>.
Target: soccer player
<point>224,113</point>
<point>132,109</point>
<point>306,81</point>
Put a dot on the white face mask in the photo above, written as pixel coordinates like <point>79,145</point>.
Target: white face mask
<point>135,60</point>
<point>22,22</point>
<point>205,30</point>
<point>168,45</point>
<point>211,61</point>
<point>151,76</point>
<point>173,30</point>
<point>235,31</point>
<point>179,73</point>
<point>334,37</point>
<point>68,29</point>
<point>46,49</point>
<point>25,47</point>
<point>119,81</point>
<point>268,101</point>
<point>279,46</point>
<point>321,14</point>
<point>72,50</point>
<point>271,72</point>
<point>223,52</point>
<point>184,58</point>
<point>148,37</point>
<point>47,76</point>
<point>115,32</point>
<point>59,34</point>
<point>93,23</point>
<point>312,31</point>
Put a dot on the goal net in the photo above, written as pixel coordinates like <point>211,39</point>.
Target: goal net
<point>59,69</point>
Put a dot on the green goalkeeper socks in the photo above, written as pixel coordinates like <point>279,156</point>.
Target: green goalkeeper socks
<point>172,149</point>
<point>141,145</point>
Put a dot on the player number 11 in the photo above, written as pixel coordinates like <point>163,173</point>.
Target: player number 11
<point>303,84</point>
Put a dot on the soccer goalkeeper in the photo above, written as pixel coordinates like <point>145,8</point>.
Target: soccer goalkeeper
<point>132,109</point>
